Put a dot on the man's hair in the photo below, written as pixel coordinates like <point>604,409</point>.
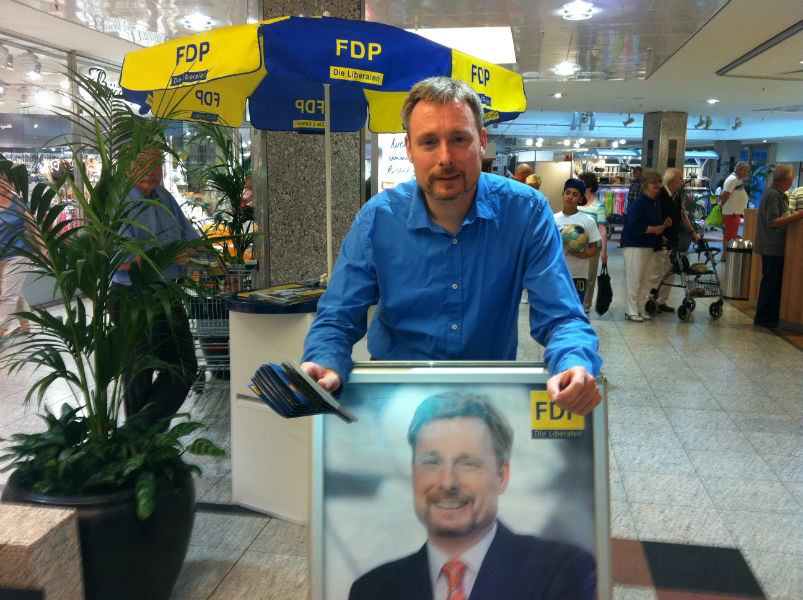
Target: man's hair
<point>670,174</point>
<point>441,90</point>
<point>742,164</point>
<point>590,179</point>
<point>524,168</point>
<point>782,173</point>
<point>452,405</point>
<point>650,176</point>
<point>637,168</point>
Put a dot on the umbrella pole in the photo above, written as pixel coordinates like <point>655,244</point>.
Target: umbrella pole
<point>328,143</point>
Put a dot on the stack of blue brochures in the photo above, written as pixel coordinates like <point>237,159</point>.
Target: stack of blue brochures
<point>288,390</point>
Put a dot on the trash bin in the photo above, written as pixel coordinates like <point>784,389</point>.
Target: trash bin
<point>736,282</point>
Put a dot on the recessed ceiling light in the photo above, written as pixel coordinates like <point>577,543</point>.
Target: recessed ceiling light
<point>622,142</point>
<point>494,44</point>
<point>614,144</point>
<point>529,141</point>
<point>565,68</point>
<point>558,95</point>
<point>539,143</point>
<point>763,141</point>
<point>577,10</point>
<point>712,101</point>
<point>581,140</point>
<point>197,22</point>
<point>566,142</point>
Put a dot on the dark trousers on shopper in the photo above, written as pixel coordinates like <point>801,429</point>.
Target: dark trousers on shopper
<point>768,307</point>
<point>158,393</point>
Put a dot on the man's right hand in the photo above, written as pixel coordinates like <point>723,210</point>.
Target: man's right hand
<point>328,379</point>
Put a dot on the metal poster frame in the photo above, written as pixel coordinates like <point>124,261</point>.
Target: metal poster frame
<point>362,513</point>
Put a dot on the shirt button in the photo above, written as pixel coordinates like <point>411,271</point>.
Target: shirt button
<point>454,241</point>
<point>454,327</point>
<point>454,286</point>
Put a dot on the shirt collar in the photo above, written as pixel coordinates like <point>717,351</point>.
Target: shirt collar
<point>481,208</point>
<point>472,558</point>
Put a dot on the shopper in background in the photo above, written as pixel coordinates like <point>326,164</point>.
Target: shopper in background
<point>596,209</point>
<point>671,206</point>
<point>634,191</point>
<point>523,171</point>
<point>154,398</point>
<point>12,266</point>
<point>641,237</point>
<point>733,202</point>
<point>577,260</point>
<point>534,181</point>
<point>773,217</point>
<point>445,258</point>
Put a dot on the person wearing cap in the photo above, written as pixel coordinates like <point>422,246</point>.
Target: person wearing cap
<point>445,257</point>
<point>577,260</point>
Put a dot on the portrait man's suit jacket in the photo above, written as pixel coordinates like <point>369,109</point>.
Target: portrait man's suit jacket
<point>516,567</point>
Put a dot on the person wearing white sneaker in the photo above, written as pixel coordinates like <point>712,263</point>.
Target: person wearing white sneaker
<point>641,237</point>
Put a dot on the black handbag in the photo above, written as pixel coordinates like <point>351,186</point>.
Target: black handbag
<point>604,291</point>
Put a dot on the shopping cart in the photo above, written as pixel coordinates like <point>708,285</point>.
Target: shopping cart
<point>209,321</point>
<point>699,279</point>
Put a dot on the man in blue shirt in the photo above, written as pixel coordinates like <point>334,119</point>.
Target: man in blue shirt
<point>161,220</point>
<point>445,258</point>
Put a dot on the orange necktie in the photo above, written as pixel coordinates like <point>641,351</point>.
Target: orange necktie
<point>454,571</point>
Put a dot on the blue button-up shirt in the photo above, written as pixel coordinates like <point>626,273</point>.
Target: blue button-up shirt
<point>164,223</point>
<point>452,297</point>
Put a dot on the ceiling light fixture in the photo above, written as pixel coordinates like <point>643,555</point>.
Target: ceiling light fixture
<point>558,95</point>
<point>712,101</point>
<point>35,74</point>
<point>528,142</point>
<point>539,143</point>
<point>566,142</point>
<point>622,142</point>
<point>614,144</point>
<point>628,120</point>
<point>565,68</point>
<point>737,122</point>
<point>197,22</point>
<point>581,140</point>
<point>577,10</point>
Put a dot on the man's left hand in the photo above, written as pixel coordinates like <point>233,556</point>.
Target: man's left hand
<point>575,390</point>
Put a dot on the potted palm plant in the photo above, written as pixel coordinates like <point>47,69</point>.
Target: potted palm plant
<point>129,481</point>
<point>231,234</point>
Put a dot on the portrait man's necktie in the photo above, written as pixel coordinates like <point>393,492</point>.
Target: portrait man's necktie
<point>454,571</point>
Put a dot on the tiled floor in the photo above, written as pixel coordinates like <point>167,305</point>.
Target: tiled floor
<point>705,451</point>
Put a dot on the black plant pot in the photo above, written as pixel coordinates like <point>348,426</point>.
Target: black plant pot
<point>125,558</point>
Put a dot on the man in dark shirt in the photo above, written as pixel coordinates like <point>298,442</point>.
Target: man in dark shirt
<point>635,186</point>
<point>773,216</point>
<point>671,205</point>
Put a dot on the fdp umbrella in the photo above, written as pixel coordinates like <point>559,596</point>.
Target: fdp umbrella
<point>300,73</point>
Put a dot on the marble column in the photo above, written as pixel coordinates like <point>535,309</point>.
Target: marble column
<point>289,180</point>
<point>663,141</point>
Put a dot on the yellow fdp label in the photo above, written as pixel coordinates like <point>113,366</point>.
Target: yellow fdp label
<point>552,422</point>
<point>349,74</point>
<point>308,124</point>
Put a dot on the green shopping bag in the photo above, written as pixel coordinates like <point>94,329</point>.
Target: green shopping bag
<point>714,218</point>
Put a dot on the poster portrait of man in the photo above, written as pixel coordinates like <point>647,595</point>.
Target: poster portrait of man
<point>444,492</point>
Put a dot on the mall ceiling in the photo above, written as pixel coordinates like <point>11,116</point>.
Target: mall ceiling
<point>633,56</point>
